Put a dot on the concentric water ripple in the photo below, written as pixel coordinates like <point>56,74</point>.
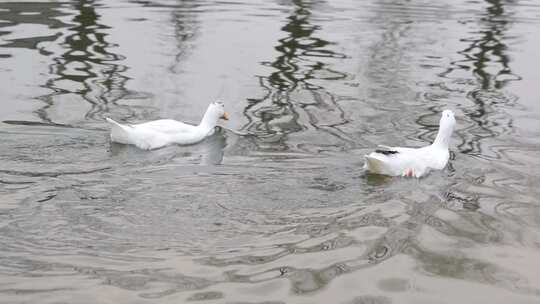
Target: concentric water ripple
<point>274,207</point>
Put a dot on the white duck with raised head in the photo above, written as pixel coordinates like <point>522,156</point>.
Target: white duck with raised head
<point>414,162</point>
<point>159,133</point>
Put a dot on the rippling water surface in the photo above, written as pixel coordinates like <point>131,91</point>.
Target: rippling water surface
<point>278,210</point>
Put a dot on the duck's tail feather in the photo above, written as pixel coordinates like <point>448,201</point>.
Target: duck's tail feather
<point>374,165</point>
<point>119,132</point>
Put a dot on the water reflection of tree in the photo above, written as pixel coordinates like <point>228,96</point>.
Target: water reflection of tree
<point>486,57</point>
<point>491,42</point>
<point>87,67</point>
<point>277,113</point>
<point>185,29</point>
<point>12,13</point>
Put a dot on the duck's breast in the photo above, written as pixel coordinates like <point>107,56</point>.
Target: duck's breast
<point>435,158</point>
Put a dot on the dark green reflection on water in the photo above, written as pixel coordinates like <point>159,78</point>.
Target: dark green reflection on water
<point>300,62</point>
<point>297,64</point>
<point>91,70</point>
<point>487,59</point>
<point>488,48</point>
<point>13,13</point>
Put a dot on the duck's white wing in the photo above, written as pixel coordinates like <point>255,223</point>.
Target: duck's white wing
<point>167,126</point>
<point>144,138</point>
<point>397,161</point>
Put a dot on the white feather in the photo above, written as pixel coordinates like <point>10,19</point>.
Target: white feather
<point>159,133</point>
<point>411,161</point>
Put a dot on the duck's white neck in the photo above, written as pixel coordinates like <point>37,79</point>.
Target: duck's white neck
<point>209,120</point>
<point>443,136</point>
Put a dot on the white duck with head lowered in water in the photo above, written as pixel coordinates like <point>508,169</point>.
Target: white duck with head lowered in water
<point>414,162</point>
<point>159,133</point>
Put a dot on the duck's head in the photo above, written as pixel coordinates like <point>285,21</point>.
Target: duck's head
<point>448,119</point>
<point>217,109</point>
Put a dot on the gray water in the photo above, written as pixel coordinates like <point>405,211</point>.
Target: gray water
<point>275,207</point>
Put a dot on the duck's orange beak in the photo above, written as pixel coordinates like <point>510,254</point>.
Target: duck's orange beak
<point>225,116</point>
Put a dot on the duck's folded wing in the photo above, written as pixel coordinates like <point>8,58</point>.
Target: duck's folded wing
<point>386,148</point>
<point>167,126</point>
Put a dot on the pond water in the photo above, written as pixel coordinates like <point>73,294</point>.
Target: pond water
<point>275,207</point>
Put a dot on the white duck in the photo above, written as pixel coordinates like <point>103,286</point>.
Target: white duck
<point>159,133</point>
<point>396,161</point>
